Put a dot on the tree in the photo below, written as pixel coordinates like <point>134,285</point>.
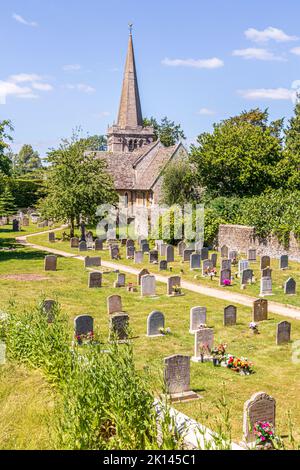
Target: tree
<point>96,143</point>
<point>77,183</point>
<point>167,131</point>
<point>179,185</point>
<point>5,163</point>
<point>240,157</point>
<point>27,160</point>
<point>7,203</point>
<point>290,166</point>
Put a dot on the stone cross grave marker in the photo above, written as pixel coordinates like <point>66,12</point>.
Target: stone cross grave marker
<point>114,304</point>
<point>260,310</point>
<point>283,332</point>
<point>172,282</point>
<point>83,326</point>
<point>204,342</point>
<point>95,280</point>
<point>170,254</point>
<point>195,261</point>
<point>140,274</point>
<point>197,318</point>
<point>148,285</point>
<point>50,263</point>
<point>260,407</point>
<point>224,251</point>
<point>283,262</point>
<point>229,315</point>
<point>290,286</point>
<point>265,262</point>
<point>155,322</point>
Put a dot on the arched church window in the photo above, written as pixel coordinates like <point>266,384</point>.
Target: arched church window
<point>126,199</point>
<point>135,144</point>
<point>141,143</point>
<point>130,145</point>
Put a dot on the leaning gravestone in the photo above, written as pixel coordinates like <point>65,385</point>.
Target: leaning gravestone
<point>260,407</point>
<point>148,285</point>
<point>177,377</point>
<point>252,254</point>
<point>155,322</point>
<point>204,253</point>
<point>181,247</point>
<point>197,318</point>
<point>266,286</point>
<point>114,304</point>
<point>195,261</point>
<point>283,332</point>
<point>95,280</point>
<point>170,254</point>
<point>51,237</point>
<point>119,323</point>
<point>225,274</point>
<point>140,274</point>
<point>187,254</point>
<point>226,264</point>
<point>204,341</point>
<point>82,246</point>
<point>50,263</point>
<point>265,262</point>
<point>224,251</point>
<point>260,310</point>
<point>49,307</point>
<point>90,261</point>
<point>121,279</point>
<point>284,262</point>
<point>229,315</point>
<point>74,242</point>
<point>98,244</point>
<point>247,276</point>
<point>138,257</point>
<point>206,266</point>
<point>290,286</point>
<point>214,258</point>
<point>172,282</point>
<point>163,265</point>
<point>130,252</point>
<point>83,326</point>
<point>153,256</point>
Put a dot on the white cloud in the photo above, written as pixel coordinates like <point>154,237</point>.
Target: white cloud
<point>206,112</point>
<point>268,94</point>
<point>42,86</point>
<point>256,53</point>
<point>25,77</point>
<point>22,20</point>
<point>295,50</point>
<point>212,63</point>
<point>71,67</point>
<point>22,86</point>
<point>82,87</point>
<point>268,34</point>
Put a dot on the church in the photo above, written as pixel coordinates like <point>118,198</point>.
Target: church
<point>134,159</point>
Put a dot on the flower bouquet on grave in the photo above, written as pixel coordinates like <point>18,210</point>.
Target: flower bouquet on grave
<point>234,261</point>
<point>254,328</point>
<point>241,365</point>
<point>212,273</point>
<point>265,435</point>
<point>218,353</point>
<point>226,282</point>
<point>85,338</point>
<point>176,290</point>
<point>165,331</point>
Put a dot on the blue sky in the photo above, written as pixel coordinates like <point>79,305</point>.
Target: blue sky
<point>198,62</point>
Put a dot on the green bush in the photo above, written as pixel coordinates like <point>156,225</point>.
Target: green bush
<point>26,192</point>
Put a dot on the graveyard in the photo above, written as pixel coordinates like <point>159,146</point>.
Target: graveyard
<point>24,281</point>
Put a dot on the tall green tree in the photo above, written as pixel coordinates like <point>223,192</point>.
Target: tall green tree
<point>7,203</point>
<point>167,131</point>
<point>179,184</point>
<point>290,166</point>
<point>27,160</point>
<point>77,183</point>
<point>5,129</point>
<point>240,157</point>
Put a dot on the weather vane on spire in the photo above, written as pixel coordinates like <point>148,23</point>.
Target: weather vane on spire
<point>130,27</point>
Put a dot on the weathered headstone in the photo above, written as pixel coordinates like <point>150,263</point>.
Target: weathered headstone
<point>181,247</point>
<point>252,254</point>
<point>140,274</point>
<point>267,272</point>
<point>225,274</point>
<point>187,254</point>
<point>265,262</point>
<point>260,407</point>
<point>195,261</point>
<point>283,332</point>
<point>290,286</point>
<point>260,310</point>
<point>95,280</point>
<point>49,307</point>
<point>119,323</point>
<point>16,225</point>
<point>114,304</point>
<point>233,254</point>
<point>130,251</point>
<point>25,222</point>
<point>148,285</point>
<point>173,282</point>
<point>50,263</point>
<point>155,322</point>
<point>129,242</point>
<point>204,341</point>
<point>145,248</point>
<point>214,258</point>
<point>206,266</point>
<point>83,326</point>
<point>153,256</point>
<point>283,262</point>
<point>138,257</point>
<point>98,244</point>
<point>114,252</point>
<point>89,240</point>
<point>204,253</point>
<point>51,237</point>
<point>247,276</point>
<point>170,254</point>
<point>226,264</point>
<point>177,377</point>
<point>224,251</point>
<point>163,265</point>
<point>266,286</point>
<point>90,261</point>
<point>243,264</point>
<point>121,279</point>
<point>162,249</point>
<point>74,242</point>
<point>229,315</point>
<point>197,318</point>
<point>82,246</point>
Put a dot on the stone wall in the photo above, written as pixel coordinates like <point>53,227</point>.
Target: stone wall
<point>242,237</point>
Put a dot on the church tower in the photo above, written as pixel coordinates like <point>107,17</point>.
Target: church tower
<point>129,133</point>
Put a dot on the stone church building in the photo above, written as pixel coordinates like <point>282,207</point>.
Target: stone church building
<point>134,159</point>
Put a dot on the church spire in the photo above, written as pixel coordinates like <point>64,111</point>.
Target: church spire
<point>130,112</point>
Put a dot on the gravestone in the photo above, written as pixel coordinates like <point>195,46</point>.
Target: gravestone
<point>82,246</point>
<point>204,253</point>
<point>25,222</point>
<point>214,258</point>
<point>90,261</point>
<point>173,281</point>
<point>260,407</point>
<point>89,240</point>
<point>267,272</point>
<point>170,254</point>
<point>121,279</point>
<point>51,237</point>
<point>153,256</point>
<point>177,377</point>
<point>187,254</point>
<point>140,274</point>
<point>119,323</point>
<point>260,310</point>
<point>155,322</point>
<point>162,249</point>
<point>224,251</point>
<point>50,263</point>
<point>283,332</point>
<point>266,286</point>
<point>142,241</point>
<point>138,257</point>
<point>290,286</point>
<point>129,243</point>
<point>224,274</point>
<point>229,315</point>
<point>95,280</point>
<point>114,252</point>
<point>98,244</point>
<point>148,285</point>
<point>2,353</point>
<point>226,264</point>
<point>74,242</point>
<point>114,304</point>
<point>16,225</point>
<point>197,318</point>
<point>233,254</point>
<point>247,276</point>
<point>252,254</point>
<point>283,262</point>
<point>49,307</point>
<point>145,248</point>
<point>195,261</point>
<point>83,325</point>
<point>243,264</point>
<point>204,342</point>
<point>265,262</point>
<point>163,265</point>
<point>181,247</point>
<point>206,266</point>
<point>130,251</point>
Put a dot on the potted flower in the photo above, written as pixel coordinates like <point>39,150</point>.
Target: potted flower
<point>218,353</point>
<point>85,338</point>
<point>241,365</point>
<point>254,328</point>
<point>165,331</point>
<point>265,435</point>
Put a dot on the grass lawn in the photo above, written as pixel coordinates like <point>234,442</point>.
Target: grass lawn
<point>275,373</point>
<point>278,276</point>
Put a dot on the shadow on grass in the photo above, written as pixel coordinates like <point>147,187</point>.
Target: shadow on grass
<point>20,254</point>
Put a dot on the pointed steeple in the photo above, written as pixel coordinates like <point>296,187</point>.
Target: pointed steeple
<point>130,112</point>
